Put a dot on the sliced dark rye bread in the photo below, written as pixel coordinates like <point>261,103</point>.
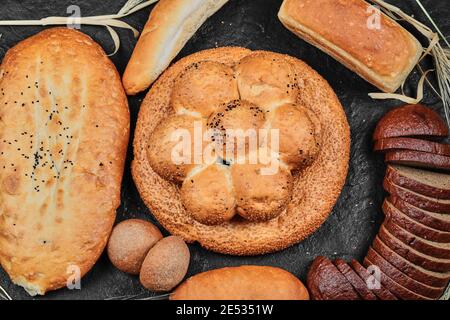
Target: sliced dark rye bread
<point>434,249</point>
<point>397,289</point>
<point>413,226</point>
<point>404,143</point>
<point>438,221</point>
<point>433,279</point>
<point>410,120</point>
<point>418,159</point>
<point>326,282</point>
<point>360,286</point>
<point>412,255</point>
<point>401,278</point>
<point>416,199</point>
<point>425,182</point>
<point>377,288</point>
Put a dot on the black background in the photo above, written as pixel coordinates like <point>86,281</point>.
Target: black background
<point>253,24</point>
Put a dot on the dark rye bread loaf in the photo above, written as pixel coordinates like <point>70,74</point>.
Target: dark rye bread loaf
<point>359,285</point>
<point>412,255</point>
<point>434,279</point>
<point>326,282</point>
<point>434,249</point>
<point>416,199</point>
<point>404,143</point>
<point>418,159</point>
<point>428,183</point>
<point>401,219</point>
<point>377,288</point>
<point>410,120</point>
<point>400,291</point>
<point>430,219</point>
<point>401,278</point>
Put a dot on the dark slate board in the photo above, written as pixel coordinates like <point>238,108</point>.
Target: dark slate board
<point>253,24</point>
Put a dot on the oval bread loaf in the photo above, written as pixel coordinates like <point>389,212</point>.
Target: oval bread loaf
<point>242,283</point>
<point>64,134</point>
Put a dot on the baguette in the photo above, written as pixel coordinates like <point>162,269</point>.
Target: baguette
<point>383,56</point>
<point>242,283</point>
<point>170,25</point>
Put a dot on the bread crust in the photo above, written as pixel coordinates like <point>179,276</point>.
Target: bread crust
<point>382,293</point>
<point>304,214</point>
<point>359,48</point>
<point>405,143</point>
<point>65,121</point>
<point>169,27</point>
<point>410,120</point>
<point>418,159</point>
<point>404,177</point>
<point>403,279</point>
<point>352,277</point>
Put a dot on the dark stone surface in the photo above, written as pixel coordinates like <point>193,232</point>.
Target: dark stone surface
<point>254,24</point>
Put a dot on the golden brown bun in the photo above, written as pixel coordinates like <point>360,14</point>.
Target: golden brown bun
<point>240,116</point>
<point>163,141</point>
<point>64,135</point>
<point>130,242</point>
<point>170,25</point>
<point>242,283</point>
<point>165,265</point>
<point>315,189</point>
<point>261,195</point>
<point>266,82</point>
<point>208,195</point>
<point>299,134</point>
<point>202,87</point>
<point>346,30</point>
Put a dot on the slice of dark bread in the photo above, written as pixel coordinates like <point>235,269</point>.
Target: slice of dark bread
<point>399,291</point>
<point>326,282</point>
<point>412,255</point>
<point>401,219</point>
<point>433,249</point>
<point>377,288</point>
<point>416,199</point>
<point>418,159</point>
<point>410,120</point>
<point>404,143</point>
<point>352,277</point>
<point>425,182</point>
<point>433,279</point>
<point>438,221</point>
<point>401,278</point>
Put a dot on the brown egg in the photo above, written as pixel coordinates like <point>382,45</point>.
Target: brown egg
<point>177,145</point>
<point>202,87</point>
<point>299,134</point>
<point>130,242</point>
<point>266,82</point>
<point>166,264</point>
<point>207,194</point>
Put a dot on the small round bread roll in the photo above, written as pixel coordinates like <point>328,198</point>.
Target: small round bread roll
<point>207,194</point>
<point>165,265</point>
<point>299,134</point>
<point>174,147</point>
<point>130,242</point>
<point>266,82</point>
<point>235,125</point>
<point>202,87</point>
<point>262,190</point>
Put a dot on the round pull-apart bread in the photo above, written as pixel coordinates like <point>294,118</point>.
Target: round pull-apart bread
<point>268,146</point>
<point>63,138</point>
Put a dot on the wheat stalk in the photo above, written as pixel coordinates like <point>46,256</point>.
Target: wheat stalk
<point>107,21</point>
<point>441,57</point>
<point>4,295</point>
